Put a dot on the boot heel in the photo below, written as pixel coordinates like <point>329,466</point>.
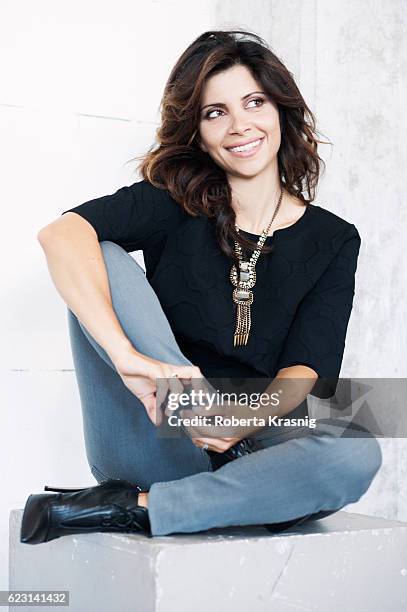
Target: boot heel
<point>35,521</point>
<point>63,489</point>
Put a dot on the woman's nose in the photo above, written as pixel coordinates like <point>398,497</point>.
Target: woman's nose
<point>238,122</point>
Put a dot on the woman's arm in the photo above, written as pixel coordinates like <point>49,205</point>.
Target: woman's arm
<point>77,268</point>
<point>292,384</point>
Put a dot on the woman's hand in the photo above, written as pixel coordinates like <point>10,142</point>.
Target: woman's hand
<point>139,374</point>
<point>219,438</point>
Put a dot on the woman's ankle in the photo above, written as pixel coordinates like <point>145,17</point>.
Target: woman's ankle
<point>142,499</point>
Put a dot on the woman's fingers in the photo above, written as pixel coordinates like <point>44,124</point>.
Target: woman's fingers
<point>153,411</point>
<point>218,445</point>
<point>209,435</point>
<point>206,391</point>
<point>161,393</point>
<point>175,385</point>
<point>168,383</point>
<point>215,429</point>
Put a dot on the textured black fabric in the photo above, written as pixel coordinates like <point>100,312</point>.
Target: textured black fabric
<point>302,298</point>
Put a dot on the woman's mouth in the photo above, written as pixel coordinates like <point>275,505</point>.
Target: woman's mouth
<point>246,150</point>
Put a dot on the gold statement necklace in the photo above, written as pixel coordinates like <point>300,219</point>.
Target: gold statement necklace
<point>244,281</point>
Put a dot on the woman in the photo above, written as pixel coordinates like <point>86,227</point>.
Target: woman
<point>245,280</point>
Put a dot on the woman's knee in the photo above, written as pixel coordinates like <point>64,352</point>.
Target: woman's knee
<point>112,248</point>
<point>355,461</point>
<point>372,459</point>
<point>115,254</point>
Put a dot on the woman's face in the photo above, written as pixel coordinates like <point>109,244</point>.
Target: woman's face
<point>235,112</point>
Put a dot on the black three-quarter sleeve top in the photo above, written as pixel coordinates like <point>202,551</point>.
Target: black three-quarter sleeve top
<point>302,297</point>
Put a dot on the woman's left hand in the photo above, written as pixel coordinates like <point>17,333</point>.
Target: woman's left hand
<point>218,437</point>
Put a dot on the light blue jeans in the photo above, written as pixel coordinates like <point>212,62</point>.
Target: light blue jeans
<point>301,474</point>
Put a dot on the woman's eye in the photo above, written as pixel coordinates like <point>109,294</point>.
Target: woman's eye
<point>209,113</point>
<point>257,100</point>
<point>218,110</point>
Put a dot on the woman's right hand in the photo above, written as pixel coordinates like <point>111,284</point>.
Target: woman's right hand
<point>139,374</point>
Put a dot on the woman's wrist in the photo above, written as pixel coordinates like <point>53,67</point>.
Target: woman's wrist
<point>121,349</point>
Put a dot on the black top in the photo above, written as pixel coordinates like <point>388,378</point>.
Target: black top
<point>302,297</point>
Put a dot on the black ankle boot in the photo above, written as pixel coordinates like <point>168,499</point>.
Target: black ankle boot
<point>111,506</point>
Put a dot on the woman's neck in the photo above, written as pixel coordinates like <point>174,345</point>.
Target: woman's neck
<point>255,199</point>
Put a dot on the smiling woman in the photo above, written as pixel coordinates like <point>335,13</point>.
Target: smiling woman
<point>236,145</point>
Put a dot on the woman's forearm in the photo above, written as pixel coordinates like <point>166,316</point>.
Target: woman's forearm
<point>77,268</point>
<point>292,384</point>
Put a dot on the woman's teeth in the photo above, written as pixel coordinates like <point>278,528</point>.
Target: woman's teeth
<point>247,147</point>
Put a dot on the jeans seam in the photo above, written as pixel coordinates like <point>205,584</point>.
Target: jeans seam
<point>97,472</point>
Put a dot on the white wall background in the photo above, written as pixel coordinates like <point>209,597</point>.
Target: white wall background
<point>80,88</point>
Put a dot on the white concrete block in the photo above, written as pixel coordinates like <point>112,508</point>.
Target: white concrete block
<point>345,561</point>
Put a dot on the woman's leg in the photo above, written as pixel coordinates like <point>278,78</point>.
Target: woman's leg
<point>120,439</point>
<point>290,478</point>
<point>312,474</point>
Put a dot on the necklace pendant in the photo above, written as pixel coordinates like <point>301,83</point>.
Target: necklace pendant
<point>243,280</point>
<point>245,277</point>
<point>243,298</point>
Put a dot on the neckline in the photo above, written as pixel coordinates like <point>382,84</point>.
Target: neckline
<point>291,230</point>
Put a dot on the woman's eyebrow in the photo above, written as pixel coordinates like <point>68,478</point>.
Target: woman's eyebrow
<point>224,105</point>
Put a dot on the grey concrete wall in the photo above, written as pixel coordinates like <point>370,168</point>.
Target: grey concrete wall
<point>349,60</point>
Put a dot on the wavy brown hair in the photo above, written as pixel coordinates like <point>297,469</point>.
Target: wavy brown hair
<point>189,174</point>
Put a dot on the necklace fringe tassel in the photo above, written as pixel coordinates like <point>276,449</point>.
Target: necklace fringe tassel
<point>243,325</point>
